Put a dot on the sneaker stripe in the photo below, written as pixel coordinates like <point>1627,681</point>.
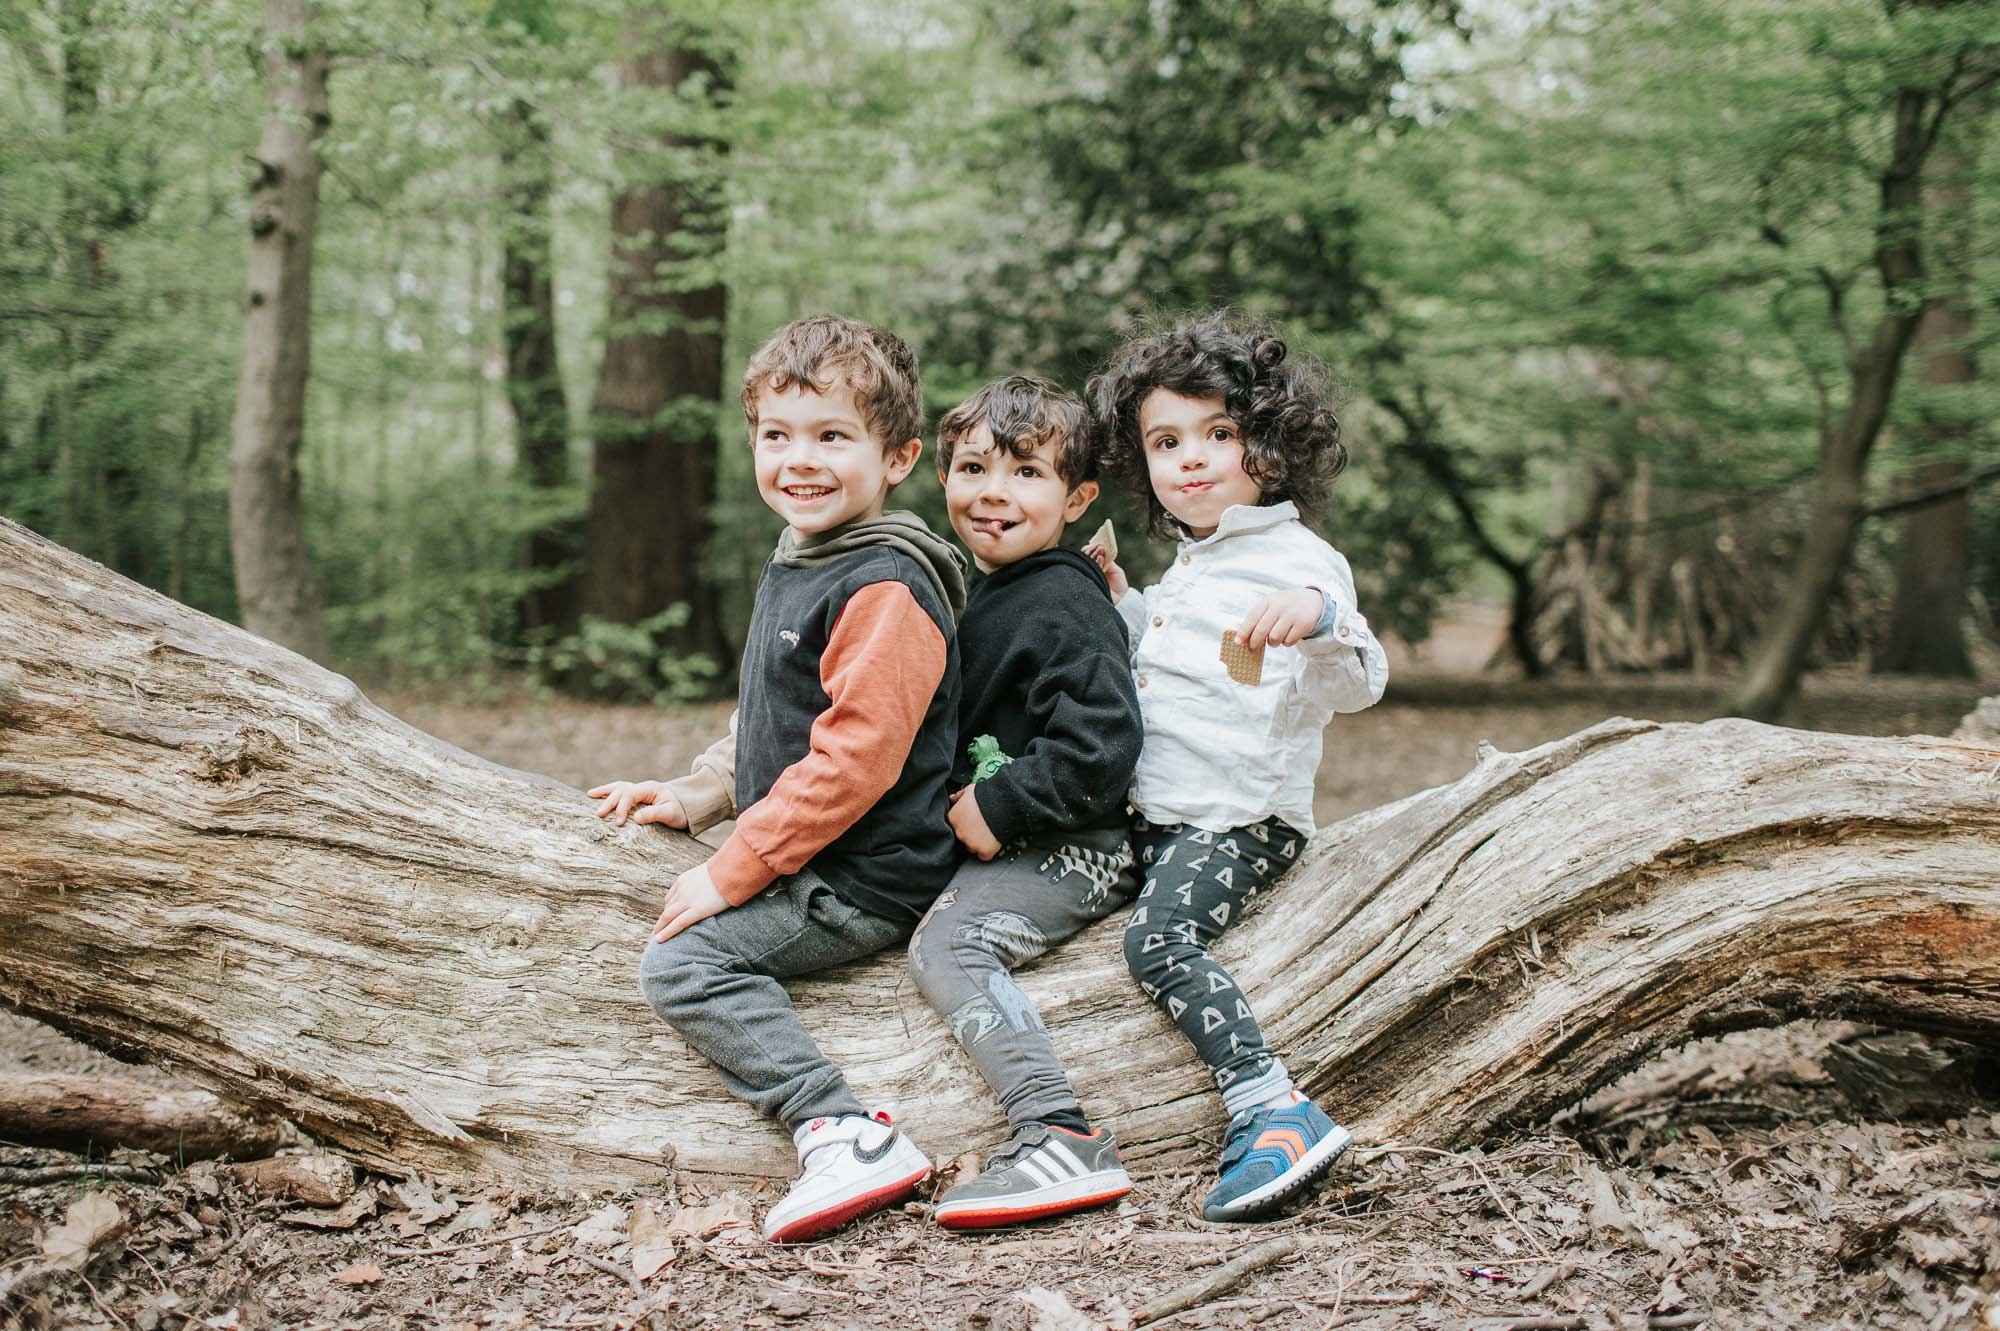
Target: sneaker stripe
<point>1071,1165</point>
<point>1038,1167</point>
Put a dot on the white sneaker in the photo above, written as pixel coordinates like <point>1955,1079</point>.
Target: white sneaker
<point>849,1167</point>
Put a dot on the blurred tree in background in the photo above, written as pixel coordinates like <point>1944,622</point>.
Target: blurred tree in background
<point>1645,311</point>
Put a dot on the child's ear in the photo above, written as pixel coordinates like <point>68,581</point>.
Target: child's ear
<point>903,459</point>
<point>1079,499</point>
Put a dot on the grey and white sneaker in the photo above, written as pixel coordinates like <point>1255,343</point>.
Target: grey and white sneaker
<point>1043,1172</point>
<point>850,1167</point>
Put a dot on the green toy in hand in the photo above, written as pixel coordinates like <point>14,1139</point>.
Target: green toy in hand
<point>986,757</point>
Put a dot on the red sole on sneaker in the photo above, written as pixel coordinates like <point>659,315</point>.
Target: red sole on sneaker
<point>822,1222</point>
<point>997,1217</point>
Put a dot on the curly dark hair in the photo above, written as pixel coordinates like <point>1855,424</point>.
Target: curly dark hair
<point>1024,411</point>
<point>1282,404</point>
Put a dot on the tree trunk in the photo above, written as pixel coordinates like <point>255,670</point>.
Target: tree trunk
<point>217,856</point>
<point>654,459</point>
<point>534,380</point>
<point>1769,688</point>
<point>1927,621</point>
<point>274,582</point>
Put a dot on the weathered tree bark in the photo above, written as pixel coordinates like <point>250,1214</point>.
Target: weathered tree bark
<point>220,857</point>
<point>654,457</point>
<point>267,541</point>
<point>99,1113</point>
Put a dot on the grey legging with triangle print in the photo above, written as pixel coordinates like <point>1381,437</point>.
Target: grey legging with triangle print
<point>1197,884</point>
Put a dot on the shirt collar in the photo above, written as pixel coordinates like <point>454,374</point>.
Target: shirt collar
<point>1239,519</point>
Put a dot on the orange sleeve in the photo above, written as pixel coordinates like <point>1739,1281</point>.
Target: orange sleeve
<point>881,668</point>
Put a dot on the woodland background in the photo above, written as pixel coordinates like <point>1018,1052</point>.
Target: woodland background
<point>1660,323</point>
<point>406,335</point>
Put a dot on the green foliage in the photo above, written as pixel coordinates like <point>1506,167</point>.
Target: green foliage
<point>1574,238</point>
<point>625,660</point>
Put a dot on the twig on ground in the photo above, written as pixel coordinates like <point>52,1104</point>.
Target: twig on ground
<point>476,1243</point>
<point>611,1269</point>
<point>28,1178</point>
<point>1548,1276</point>
<point>1230,1274</point>
<point>1574,1323</point>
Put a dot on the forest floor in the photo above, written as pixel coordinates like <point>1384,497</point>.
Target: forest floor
<point>1728,1184</point>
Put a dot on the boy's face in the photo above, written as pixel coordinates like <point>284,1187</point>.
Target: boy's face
<point>1194,457</point>
<point>818,464</point>
<point>1006,508</point>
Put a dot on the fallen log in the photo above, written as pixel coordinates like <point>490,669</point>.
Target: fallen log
<point>96,1114</point>
<point>220,857</point>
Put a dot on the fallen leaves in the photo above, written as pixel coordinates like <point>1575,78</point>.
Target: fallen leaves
<point>90,1219</point>
<point>360,1273</point>
<point>728,1215</point>
<point>604,1228</point>
<point>1054,1312</point>
<point>652,1245</point>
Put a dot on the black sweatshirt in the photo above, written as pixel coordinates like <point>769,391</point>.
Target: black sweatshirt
<point>1046,670</point>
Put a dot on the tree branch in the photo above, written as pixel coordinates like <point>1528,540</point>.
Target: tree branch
<point>1935,494</point>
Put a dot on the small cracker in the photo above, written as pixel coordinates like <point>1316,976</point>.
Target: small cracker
<point>1107,538</point>
<point>1244,665</point>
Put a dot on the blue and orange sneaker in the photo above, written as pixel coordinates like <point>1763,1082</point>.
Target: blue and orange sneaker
<point>1272,1155</point>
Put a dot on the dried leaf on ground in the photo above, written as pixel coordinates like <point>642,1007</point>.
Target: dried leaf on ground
<point>424,1208</point>
<point>1054,1312</point>
<point>351,1213</point>
<point>90,1220</point>
<point>603,1228</point>
<point>472,1219</point>
<point>652,1245</point>
<point>360,1273</point>
<point>728,1214</point>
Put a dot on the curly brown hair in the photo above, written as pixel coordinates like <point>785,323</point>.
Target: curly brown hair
<point>822,350</point>
<point>1282,404</point>
<point>1024,411</point>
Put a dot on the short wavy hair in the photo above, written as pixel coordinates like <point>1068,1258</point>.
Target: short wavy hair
<point>1283,405</point>
<point>823,350</point>
<point>1025,411</point>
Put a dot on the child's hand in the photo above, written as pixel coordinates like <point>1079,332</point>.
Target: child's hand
<point>1282,619</point>
<point>969,824</point>
<point>692,899</point>
<point>1112,573</point>
<point>642,801</point>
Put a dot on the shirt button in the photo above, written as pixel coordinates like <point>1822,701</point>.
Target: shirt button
<point>1343,634</point>
<point>1187,559</point>
<point>1158,620</point>
<point>1142,681</point>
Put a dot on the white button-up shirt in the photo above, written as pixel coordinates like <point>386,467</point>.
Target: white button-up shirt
<point>1220,754</point>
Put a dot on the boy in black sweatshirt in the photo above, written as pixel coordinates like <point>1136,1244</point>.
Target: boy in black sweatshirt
<point>1047,688</point>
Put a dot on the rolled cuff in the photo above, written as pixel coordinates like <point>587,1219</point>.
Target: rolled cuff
<point>739,872</point>
<point>704,799</point>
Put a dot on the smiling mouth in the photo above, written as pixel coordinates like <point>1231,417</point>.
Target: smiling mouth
<point>807,493</point>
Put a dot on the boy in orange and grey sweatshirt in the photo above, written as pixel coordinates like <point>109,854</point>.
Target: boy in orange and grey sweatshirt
<point>835,766</point>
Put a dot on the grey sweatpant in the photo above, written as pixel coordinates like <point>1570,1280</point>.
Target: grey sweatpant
<point>717,984</point>
<point>995,915</point>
